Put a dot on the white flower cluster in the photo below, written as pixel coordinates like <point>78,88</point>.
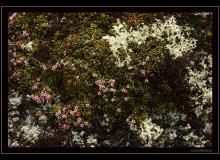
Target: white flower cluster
<point>28,46</point>
<point>169,31</point>
<point>91,141</point>
<point>202,80</point>
<point>174,34</point>
<point>149,132</point>
<point>122,38</point>
<point>78,138</point>
<point>15,100</point>
<point>13,118</point>
<point>30,133</point>
<point>195,141</point>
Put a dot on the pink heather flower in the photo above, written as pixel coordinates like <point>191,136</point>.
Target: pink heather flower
<point>65,126</point>
<point>99,93</point>
<point>108,130</point>
<point>14,55</point>
<point>94,75</point>
<point>112,83</point>
<point>112,90</point>
<point>45,96</point>
<point>15,75</point>
<point>126,98</point>
<point>35,86</point>
<point>75,113</point>
<point>58,114</point>
<point>143,72</point>
<point>19,61</point>
<point>25,62</point>
<point>25,33</point>
<point>37,99</point>
<point>64,116</point>
<point>77,123</point>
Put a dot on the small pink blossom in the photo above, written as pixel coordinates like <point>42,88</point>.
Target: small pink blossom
<point>112,83</point>
<point>112,90</point>
<point>16,75</point>
<point>25,62</point>
<point>19,61</point>
<point>37,99</point>
<point>65,126</point>
<point>58,114</point>
<point>108,130</point>
<point>35,86</point>
<point>14,54</point>
<point>126,98</point>
<point>77,123</point>
<point>25,33</point>
<point>99,93</point>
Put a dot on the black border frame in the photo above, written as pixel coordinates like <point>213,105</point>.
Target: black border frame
<point>214,9</point>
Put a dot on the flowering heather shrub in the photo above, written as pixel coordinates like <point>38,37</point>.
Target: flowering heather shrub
<point>110,80</point>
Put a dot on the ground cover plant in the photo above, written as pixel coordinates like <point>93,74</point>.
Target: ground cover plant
<point>102,79</point>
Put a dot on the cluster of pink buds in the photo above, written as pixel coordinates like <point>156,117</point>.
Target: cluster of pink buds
<point>16,75</point>
<point>43,97</point>
<point>60,64</point>
<point>101,85</point>
<point>16,61</point>
<point>64,126</point>
<point>73,114</point>
<point>35,86</point>
<point>25,33</point>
